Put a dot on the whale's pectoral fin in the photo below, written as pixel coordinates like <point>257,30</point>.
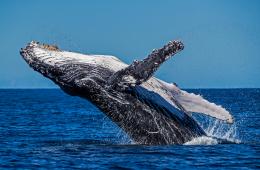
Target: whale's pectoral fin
<point>196,103</point>
<point>140,71</point>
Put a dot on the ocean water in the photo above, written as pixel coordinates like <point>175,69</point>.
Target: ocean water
<point>46,128</point>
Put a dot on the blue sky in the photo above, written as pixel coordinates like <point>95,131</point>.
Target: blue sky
<point>222,38</point>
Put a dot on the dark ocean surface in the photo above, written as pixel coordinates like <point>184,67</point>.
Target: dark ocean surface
<point>46,128</point>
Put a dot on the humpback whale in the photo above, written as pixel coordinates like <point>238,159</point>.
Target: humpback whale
<point>149,110</point>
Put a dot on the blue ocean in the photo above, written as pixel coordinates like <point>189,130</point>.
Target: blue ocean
<point>46,128</point>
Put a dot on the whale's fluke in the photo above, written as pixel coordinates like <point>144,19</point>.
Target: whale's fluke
<point>140,71</point>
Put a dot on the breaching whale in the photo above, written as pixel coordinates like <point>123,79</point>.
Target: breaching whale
<point>149,110</point>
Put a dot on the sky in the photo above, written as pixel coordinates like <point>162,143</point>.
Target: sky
<point>221,37</point>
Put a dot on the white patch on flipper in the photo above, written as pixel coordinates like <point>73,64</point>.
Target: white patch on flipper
<point>195,103</point>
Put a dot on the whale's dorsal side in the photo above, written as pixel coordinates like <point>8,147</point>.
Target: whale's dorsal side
<point>140,71</point>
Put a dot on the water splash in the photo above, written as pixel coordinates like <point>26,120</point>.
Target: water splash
<point>217,131</point>
<point>123,138</point>
<point>202,140</point>
<point>118,135</point>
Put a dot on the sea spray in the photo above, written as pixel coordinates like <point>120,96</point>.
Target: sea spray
<point>203,140</point>
<point>120,136</point>
<point>218,129</point>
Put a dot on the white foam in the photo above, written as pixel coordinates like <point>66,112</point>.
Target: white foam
<point>202,140</point>
<point>220,130</point>
<point>217,132</point>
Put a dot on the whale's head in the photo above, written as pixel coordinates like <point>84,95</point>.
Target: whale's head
<point>41,58</point>
<point>68,69</point>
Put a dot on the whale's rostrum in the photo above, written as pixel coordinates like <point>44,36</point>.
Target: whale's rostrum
<point>149,110</point>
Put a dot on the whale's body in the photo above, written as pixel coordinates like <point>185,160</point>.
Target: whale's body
<point>149,110</point>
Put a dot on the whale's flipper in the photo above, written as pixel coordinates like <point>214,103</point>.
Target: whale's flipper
<point>196,103</point>
<point>140,71</point>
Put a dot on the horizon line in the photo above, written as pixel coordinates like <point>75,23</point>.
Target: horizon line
<point>54,88</point>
